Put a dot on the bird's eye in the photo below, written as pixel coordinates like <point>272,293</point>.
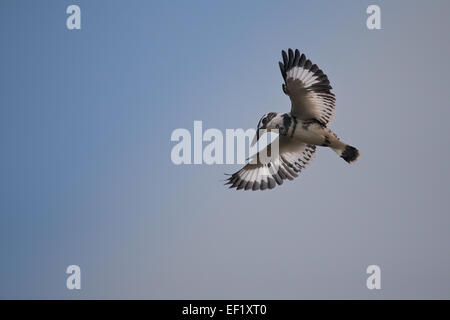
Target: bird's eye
<point>264,121</point>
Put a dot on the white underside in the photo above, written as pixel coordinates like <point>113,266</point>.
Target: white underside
<point>315,134</point>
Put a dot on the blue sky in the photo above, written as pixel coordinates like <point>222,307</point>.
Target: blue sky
<point>86,177</point>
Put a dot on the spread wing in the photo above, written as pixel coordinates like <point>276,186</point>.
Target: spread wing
<point>292,159</point>
<point>308,87</point>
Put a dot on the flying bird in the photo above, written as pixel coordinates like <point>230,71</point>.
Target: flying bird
<point>313,107</point>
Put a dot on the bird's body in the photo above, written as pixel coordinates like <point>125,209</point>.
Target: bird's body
<point>307,131</point>
<point>300,131</point>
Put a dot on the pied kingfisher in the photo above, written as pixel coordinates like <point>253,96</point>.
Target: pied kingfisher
<point>300,131</point>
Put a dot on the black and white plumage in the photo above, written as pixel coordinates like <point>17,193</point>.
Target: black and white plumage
<point>308,87</point>
<point>313,107</point>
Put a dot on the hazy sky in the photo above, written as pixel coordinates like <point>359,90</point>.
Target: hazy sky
<point>86,177</point>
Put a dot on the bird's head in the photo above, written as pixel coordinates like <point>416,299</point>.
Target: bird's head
<point>268,122</point>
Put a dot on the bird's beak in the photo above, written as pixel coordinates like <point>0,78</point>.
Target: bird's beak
<point>255,138</point>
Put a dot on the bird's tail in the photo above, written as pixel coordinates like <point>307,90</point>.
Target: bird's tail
<point>346,152</point>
